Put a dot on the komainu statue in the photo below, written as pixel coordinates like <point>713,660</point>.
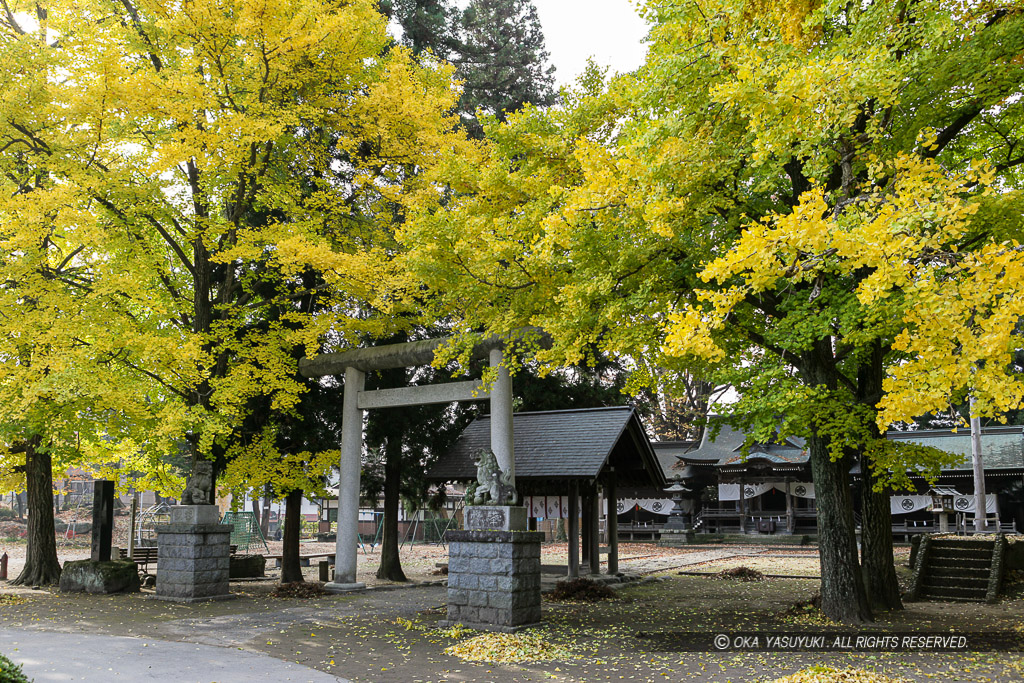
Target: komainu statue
<point>492,487</point>
<point>199,489</point>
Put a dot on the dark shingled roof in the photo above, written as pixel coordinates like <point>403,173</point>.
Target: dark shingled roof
<point>561,445</point>
<point>727,449</point>
<point>669,452</point>
<point>1002,447</point>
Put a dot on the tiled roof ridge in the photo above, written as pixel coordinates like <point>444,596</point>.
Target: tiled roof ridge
<point>567,410</point>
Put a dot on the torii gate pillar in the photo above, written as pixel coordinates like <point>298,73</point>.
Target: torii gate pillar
<point>501,416</point>
<point>348,486</point>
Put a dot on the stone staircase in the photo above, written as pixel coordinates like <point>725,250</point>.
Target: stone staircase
<point>958,569</point>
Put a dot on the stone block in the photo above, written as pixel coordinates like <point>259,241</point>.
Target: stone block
<point>527,565</point>
<point>87,576</point>
<point>496,517</point>
<point>468,581</point>
<point>247,566</point>
<point>521,599</point>
<point>487,615</point>
<point>458,597</point>
<point>506,583</point>
<point>487,583</point>
<point>500,600</point>
<point>477,599</point>
<point>195,514</point>
<point>179,551</point>
<point>476,566</point>
<point>487,550</point>
<point>457,565</point>
<point>204,564</point>
<point>167,575</point>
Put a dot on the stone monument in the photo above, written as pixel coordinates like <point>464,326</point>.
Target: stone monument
<point>194,551</point>
<point>494,563</point>
<point>100,574</point>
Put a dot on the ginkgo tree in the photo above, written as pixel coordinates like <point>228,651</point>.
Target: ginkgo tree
<point>230,135</point>
<point>219,151</point>
<point>60,384</point>
<point>815,202</point>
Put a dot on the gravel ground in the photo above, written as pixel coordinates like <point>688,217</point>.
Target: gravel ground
<point>419,561</point>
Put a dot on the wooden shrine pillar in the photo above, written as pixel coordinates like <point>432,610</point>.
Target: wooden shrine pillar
<point>790,520</point>
<point>743,508</point>
<point>585,527</point>
<point>612,522</point>
<point>594,558</point>
<point>574,530</point>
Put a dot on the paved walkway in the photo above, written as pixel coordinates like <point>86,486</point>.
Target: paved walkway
<point>49,656</point>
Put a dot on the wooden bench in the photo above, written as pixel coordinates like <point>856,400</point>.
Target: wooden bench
<point>303,559</point>
<point>144,555</point>
<point>141,557</point>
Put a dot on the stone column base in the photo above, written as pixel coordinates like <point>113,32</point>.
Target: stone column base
<point>193,561</point>
<point>494,579</point>
<point>333,587</point>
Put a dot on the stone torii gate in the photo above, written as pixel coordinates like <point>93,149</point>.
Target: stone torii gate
<point>354,364</point>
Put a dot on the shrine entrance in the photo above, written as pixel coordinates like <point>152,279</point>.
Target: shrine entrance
<point>353,365</point>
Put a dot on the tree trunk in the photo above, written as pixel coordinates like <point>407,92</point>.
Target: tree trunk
<point>256,509</point>
<point>291,571</point>
<point>390,564</point>
<point>843,597</point>
<point>877,561</point>
<point>41,565</point>
<point>21,507</point>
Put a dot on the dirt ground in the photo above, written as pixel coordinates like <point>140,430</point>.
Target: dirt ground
<point>392,635</point>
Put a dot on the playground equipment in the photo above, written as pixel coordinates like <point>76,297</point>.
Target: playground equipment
<point>246,533</point>
<point>145,533</point>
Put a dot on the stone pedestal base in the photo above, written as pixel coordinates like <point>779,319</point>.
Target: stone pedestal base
<point>193,560</point>
<point>333,587</point>
<point>670,537</point>
<point>494,579</point>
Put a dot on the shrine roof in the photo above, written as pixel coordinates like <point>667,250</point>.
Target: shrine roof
<point>562,445</point>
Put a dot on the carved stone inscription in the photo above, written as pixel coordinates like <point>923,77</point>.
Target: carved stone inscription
<point>486,518</point>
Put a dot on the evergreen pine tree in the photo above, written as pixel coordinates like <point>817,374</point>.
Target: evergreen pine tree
<point>425,24</point>
<point>502,60</point>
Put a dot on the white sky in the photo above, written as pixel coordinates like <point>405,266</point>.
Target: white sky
<point>610,31</point>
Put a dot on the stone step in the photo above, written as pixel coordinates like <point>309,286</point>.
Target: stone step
<point>971,543</point>
<point>953,593</point>
<point>951,598</point>
<point>950,554</point>
<point>958,572</point>
<point>955,582</point>
<point>960,562</point>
